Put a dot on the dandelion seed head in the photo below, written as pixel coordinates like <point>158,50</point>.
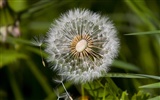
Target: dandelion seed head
<point>82,45</point>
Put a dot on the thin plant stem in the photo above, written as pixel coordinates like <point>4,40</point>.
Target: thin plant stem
<point>82,90</point>
<point>14,85</point>
<point>104,92</point>
<point>66,91</point>
<point>61,89</point>
<point>42,57</point>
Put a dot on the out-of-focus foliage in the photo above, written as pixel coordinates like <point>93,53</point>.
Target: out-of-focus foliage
<point>134,75</point>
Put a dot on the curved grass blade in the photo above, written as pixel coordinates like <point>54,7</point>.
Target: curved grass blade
<point>130,75</point>
<point>145,33</point>
<point>155,98</point>
<point>9,56</point>
<point>124,65</point>
<point>15,88</point>
<point>154,85</point>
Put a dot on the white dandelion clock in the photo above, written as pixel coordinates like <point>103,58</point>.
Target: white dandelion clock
<point>81,45</point>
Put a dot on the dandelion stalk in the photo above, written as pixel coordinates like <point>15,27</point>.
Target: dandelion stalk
<point>38,41</point>
<point>82,90</point>
<point>66,91</point>
<point>42,58</point>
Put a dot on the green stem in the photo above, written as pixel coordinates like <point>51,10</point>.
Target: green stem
<point>104,92</point>
<point>15,88</point>
<point>82,90</point>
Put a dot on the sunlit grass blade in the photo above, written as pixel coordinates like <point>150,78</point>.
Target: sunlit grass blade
<point>125,65</point>
<point>130,75</point>
<point>123,75</point>
<point>141,95</point>
<point>13,40</point>
<point>140,14</point>
<point>155,98</point>
<point>124,96</point>
<point>104,92</point>
<point>10,56</point>
<point>145,33</point>
<point>142,5</point>
<point>154,85</point>
<point>36,51</point>
<point>149,76</point>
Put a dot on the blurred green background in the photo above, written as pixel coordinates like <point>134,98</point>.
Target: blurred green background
<point>135,72</point>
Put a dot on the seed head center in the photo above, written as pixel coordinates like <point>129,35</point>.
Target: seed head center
<point>81,45</point>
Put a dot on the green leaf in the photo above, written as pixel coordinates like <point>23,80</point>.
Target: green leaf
<point>6,18</point>
<point>124,96</point>
<point>154,85</point>
<point>140,96</point>
<point>93,88</point>
<point>12,40</point>
<point>144,33</point>
<point>10,56</point>
<point>106,90</point>
<point>18,5</point>
<point>155,98</point>
<point>125,65</point>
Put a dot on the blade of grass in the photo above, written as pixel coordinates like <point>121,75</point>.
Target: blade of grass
<point>142,5</point>
<point>10,56</point>
<point>140,14</point>
<point>13,40</point>
<point>155,98</point>
<point>124,65</point>
<point>129,75</point>
<point>36,51</point>
<point>145,33</point>
<point>154,85</point>
<point>104,92</point>
<point>149,76</point>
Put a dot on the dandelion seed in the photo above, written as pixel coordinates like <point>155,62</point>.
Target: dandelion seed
<point>64,95</point>
<point>82,44</point>
<point>60,80</point>
<point>38,41</point>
